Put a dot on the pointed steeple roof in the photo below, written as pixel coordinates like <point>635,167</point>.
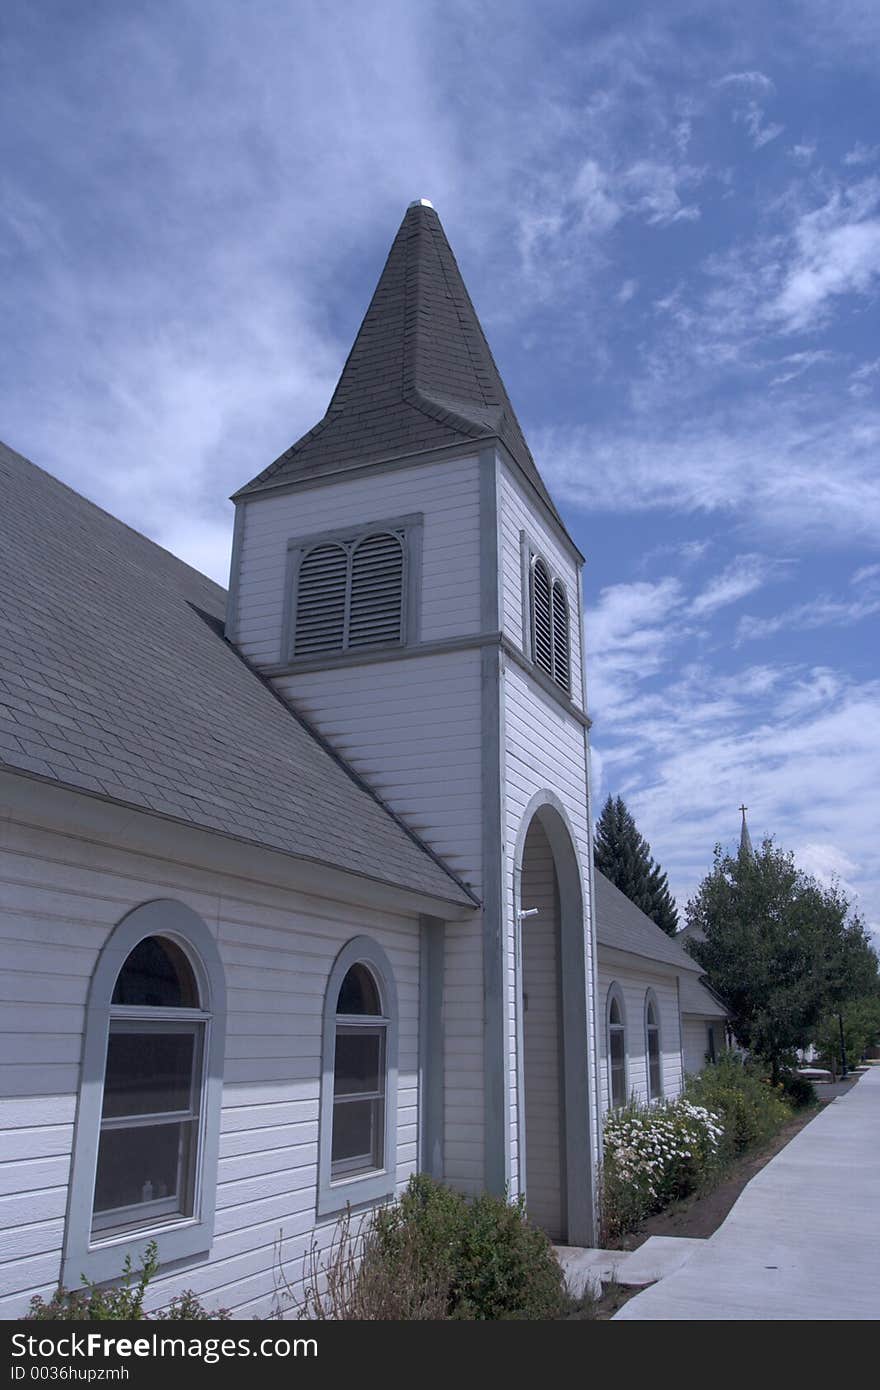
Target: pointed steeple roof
<point>745,839</point>
<point>420,375</point>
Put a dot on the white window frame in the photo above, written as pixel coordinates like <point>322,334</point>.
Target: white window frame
<point>96,1253</point>
<point>532,554</point>
<point>376,1184</point>
<point>651,1001</point>
<point>615,995</point>
<point>409,530</point>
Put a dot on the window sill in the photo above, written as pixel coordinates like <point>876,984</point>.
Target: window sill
<point>102,1260</point>
<point>374,1186</point>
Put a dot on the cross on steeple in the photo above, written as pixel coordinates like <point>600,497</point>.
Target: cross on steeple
<point>745,840</point>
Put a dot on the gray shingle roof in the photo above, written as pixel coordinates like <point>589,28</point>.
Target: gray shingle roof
<point>116,679</point>
<point>697,999</point>
<point>619,923</point>
<point>419,376</point>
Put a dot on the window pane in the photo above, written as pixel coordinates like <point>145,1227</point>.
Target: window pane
<point>145,1164</point>
<point>358,993</point>
<point>149,1072</point>
<point>541,621</point>
<point>320,603</point>
<point>359,1061</point>
<point>654,1063</point>
<point>358,1136</point>
<point>614,1012</point>
<point>561,656</point>
<point>376,613</point>
<point>157,974</point>
<point>617,1050</point>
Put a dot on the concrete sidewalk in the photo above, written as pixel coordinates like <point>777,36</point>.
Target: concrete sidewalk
<point>802,1241</point>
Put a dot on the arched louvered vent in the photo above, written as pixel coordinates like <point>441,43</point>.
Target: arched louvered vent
<point>376,613</point>
<point>561,653</point>
<point>542,633</point>
<point>321,601</point>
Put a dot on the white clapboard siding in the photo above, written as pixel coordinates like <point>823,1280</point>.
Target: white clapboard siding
<point>635,977</point>
<point>519,513</point>
<point>412,730</point>
<point>64,895</point>
<point>447,495</point>
<point>542,1074</point>
<point>544,750</point>
<point>695,1041</point>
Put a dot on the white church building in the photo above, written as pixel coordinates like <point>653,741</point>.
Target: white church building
<point>296,884</point>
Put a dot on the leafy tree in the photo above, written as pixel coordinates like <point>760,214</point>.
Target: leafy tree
<point>623,855</point>
<point>778,947</point>
<point>861,1028</point>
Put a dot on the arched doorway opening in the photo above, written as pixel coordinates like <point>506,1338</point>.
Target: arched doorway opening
<point>553,1041</point>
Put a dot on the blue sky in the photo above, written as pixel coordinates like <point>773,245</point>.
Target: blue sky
<point>668,217</point>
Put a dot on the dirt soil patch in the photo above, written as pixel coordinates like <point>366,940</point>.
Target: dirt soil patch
<point>700,1216</point>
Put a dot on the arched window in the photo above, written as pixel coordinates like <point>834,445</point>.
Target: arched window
<point>542,625</point>
<point>550,624</point>
<point>148,1115</point>
<point>616,1048</point>
<point>358,1077</point>
<point>350,591</point>
<point>359,1088</point>
<point>376,609</point>
<point>148,1149</point>
<point>652,1047</point>
<point>321,600</point>
<point>561,652</point>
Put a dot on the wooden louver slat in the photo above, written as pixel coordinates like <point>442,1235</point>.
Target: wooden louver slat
<point>376,608</point>
<point>561,653</point>
<point>321,599</point>
<point>542,633</point>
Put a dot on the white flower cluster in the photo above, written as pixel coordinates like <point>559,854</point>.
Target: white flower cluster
<point>648,1145</point>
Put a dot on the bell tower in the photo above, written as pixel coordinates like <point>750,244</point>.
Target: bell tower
<point>402,577</point>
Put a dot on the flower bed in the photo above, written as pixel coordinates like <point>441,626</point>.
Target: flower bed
<point>654,1155</point>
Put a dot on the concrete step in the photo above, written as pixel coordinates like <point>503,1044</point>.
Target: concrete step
<point>588,1268</point>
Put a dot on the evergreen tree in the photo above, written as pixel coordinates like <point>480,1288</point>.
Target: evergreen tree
<point>623,855</point>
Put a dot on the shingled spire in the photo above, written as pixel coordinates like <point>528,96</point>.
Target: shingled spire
<point>745,839</point>
<point>419,377</point>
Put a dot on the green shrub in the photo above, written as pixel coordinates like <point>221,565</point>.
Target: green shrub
<point>434,1254</point>
<point>654,1155</point>
<point>123,1302</point>
<point>751,1109</point>
<point>492,1261</point>
<point>799,1091</point>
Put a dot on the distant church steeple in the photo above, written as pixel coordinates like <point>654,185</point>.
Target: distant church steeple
<point>745,839</point>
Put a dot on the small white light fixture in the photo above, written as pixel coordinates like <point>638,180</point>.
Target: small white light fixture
<point>528,912</point>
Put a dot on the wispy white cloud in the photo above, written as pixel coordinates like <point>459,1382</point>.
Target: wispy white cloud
<point>837,251</point>
<point>748,111</point>
<point>798,746</point>
<point>823,611</point>
<point>861,154</point>
<point>762,131</point>
<point>865,379</point>
<point>743,576</point>
<point>749,80</point>
<point>778,470</point>
<point>803,153</point>
<point>796,363</point>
